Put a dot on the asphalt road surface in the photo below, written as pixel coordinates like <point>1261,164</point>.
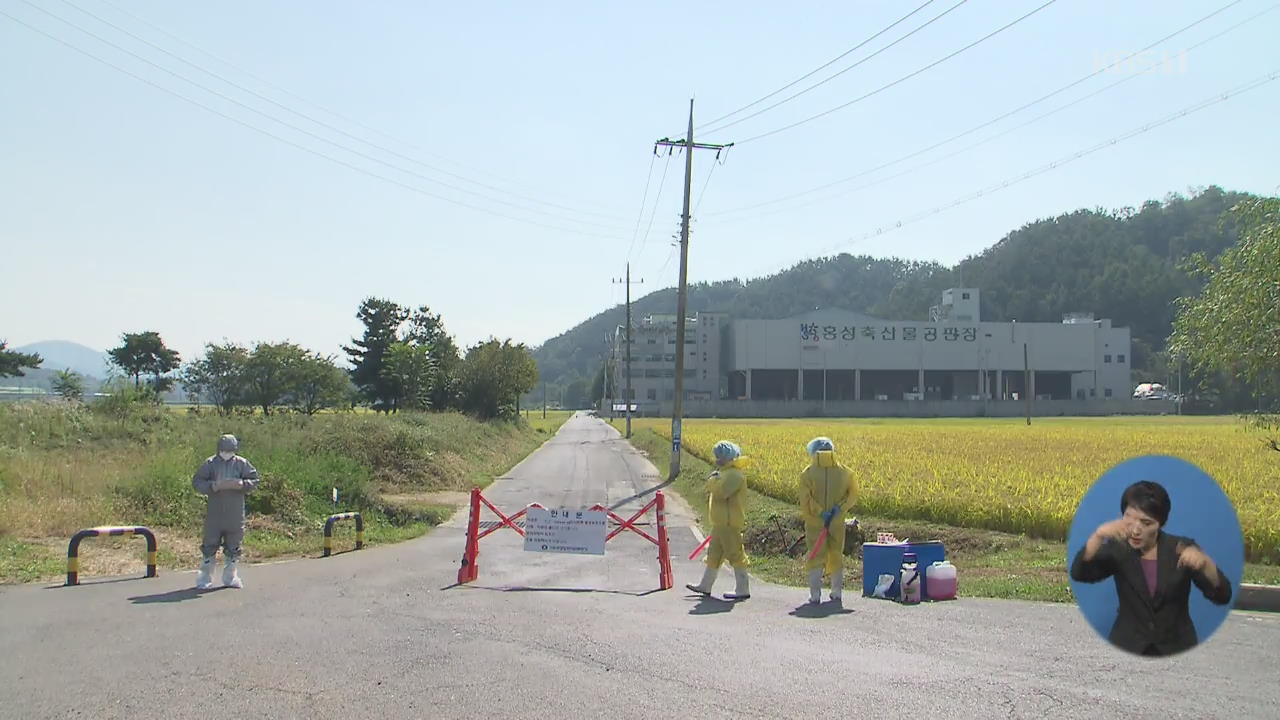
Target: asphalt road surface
<point>380,633</point>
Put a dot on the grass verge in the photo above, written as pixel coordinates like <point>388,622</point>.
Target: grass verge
<point>66,467</point>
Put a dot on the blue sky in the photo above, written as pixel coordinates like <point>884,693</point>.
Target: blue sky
<point>125,208</point>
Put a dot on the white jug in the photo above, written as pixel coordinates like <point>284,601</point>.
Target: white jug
<point>941,580</point>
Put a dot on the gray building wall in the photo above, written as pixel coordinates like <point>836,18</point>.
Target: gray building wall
<point>843,360</point>
<point>922,408</point>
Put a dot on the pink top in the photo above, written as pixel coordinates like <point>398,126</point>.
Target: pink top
<point>1149,570</point>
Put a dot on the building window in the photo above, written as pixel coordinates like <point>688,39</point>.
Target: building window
<point>704,374</point>
<point>704,339</point>
<point>1120,358</point>
<point>652,341</point>
<point>1107,392</point>
<point>652,394</point>
<point>1106,358</point>
<point>964,296</point>
<point>691,374</point>
<point>668,394</point>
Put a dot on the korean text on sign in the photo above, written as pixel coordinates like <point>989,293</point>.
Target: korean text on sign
<point>565,530</point>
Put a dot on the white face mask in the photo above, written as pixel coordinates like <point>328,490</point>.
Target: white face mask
<point>226,455</point>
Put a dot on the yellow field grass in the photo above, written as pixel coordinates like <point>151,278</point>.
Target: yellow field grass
<point>1000,474</point>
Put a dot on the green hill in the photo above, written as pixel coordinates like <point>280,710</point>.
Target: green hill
<point>1119,264</point>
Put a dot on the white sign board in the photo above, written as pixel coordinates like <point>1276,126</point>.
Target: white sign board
<point>565,530</point>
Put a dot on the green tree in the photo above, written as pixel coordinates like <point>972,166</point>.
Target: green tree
<point>142,353</point>
<point>382,320</point>
<point>1234,323</point>
<point>270,373</point>
<point>69,384</point>
<point>218,375</point>
<point>12,362</point>
<point>426,328</point>
<point>318,383</point>
<point>494,376</point>
<point>410,373</point>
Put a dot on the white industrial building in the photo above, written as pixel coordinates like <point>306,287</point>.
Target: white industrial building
<point>836,362</point>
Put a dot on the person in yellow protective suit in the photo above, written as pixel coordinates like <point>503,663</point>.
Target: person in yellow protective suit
<point>827,489</point>
<point>726,510</point>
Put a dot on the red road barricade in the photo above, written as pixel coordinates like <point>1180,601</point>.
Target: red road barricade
<point>470,569</point>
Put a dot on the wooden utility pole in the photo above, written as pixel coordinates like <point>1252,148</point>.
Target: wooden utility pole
<point>677,407</point>
<point>628,393</point>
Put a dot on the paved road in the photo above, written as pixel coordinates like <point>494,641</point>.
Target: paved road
<point>378,633</point>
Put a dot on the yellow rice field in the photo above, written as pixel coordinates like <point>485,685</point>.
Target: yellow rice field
<point>1001,474</point>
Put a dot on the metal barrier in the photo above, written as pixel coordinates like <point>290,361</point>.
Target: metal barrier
<point>470,569</point>
<point>73,550</point>
<point>328,530</point>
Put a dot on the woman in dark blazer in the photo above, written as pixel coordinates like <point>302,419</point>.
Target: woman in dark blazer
<point>1153,573</point>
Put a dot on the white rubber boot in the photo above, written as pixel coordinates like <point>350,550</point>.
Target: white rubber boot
<point>204,580</point>
<point>742,589</point>
<point>837,586</point>
<point>229,576</point>
<point>708,579</point>
<point>815,586</point>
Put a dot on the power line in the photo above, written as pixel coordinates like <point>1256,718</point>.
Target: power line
<point>902,79</point>
<point>304,131</point>
<point>286,141</point>
<point>643,201</point>
<point>841,72</point>
<point>988,123</point>
<point>1220,97</point>
<point>703,191</point>
<point>813,72</point>
<point>334,113</point>
<point>661,183</point>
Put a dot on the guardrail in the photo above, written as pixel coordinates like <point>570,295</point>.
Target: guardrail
<point>73,550</point>
<point>328,530</point>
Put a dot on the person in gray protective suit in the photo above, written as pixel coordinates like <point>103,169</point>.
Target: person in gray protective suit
<point>226,478</point>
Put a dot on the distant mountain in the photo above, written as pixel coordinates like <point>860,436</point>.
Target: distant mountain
<point>1121,264</point>
<point>63,354</point>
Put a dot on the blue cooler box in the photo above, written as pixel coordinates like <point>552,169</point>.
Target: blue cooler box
<point>879,559</point>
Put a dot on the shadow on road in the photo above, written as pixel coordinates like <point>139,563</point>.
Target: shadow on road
<point>711,605</point>
<point>91,583</point>
<point>520,588</point>
<point>171,596</point>
<point>826,609</point>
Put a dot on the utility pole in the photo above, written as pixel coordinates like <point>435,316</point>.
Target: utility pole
<point>1179,384</point>
<point>682,298</point>
<point>627,395</point>
<point>544,399</point>
<point>604,380</point>
<point>1026,380</point>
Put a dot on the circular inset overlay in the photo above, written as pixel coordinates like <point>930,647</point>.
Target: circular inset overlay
<point>1198,510</point>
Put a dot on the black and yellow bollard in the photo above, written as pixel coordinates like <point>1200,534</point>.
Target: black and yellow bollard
<point>73,550</point>
<point>328,530</point>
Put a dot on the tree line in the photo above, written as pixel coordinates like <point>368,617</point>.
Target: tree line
<point>403,361</point>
